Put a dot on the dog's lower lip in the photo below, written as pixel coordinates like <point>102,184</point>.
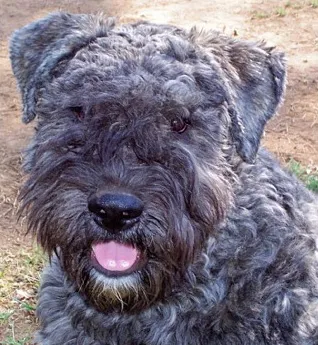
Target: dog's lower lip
<point>133,264</point>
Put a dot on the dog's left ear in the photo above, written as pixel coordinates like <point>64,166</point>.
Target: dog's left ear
<point>36,49</point>
<point>255,77</point>
<point>259,90</point>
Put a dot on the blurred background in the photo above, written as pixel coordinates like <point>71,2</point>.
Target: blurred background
<point>292,136</point>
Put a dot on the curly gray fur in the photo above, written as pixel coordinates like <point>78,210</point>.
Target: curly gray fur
<point>230,237</point>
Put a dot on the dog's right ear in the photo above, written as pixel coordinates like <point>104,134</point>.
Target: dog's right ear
<point>36,49</point>
<point>254,76</point>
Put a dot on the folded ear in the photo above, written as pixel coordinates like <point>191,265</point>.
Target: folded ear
<point>259,90</point>
<point>36,49</point>
<point>255,77</point>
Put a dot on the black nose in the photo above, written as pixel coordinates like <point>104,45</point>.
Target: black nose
<point>115,211</point>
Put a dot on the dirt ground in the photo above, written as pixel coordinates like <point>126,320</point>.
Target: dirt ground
<point>292,26</point>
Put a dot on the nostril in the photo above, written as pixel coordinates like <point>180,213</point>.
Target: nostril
<point>96,208</point>
<point>132,212</point>
<point>116,210</point>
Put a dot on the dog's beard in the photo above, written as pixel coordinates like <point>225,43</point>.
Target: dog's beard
<point>165,259</point>
<point>133,292</point>
<point>168,238</point>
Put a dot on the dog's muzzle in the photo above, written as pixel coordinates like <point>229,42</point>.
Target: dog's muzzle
<point>115,212</point>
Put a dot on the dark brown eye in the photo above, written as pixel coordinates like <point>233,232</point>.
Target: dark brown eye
<point>75,146</point>
<point>179,125</point>
<point>78,111</point>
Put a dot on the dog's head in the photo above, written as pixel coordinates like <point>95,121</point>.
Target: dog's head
<point>137,131</point>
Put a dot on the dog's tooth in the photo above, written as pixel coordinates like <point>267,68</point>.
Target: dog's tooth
<point>111,263</point>
<point>124,264</point>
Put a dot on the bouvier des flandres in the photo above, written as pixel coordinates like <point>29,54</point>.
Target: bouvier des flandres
<point>164,221</point>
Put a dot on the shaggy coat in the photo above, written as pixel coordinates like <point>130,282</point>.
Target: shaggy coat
<point>228,238</point>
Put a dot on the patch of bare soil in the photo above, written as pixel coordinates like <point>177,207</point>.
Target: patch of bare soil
<point>291,26</point>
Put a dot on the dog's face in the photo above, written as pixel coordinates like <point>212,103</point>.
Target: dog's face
<point>130,169</point>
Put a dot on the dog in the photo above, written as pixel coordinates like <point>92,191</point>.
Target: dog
<point>164,220</point>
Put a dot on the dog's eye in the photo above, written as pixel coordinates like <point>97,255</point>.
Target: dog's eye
<point>179,125</point>
<point>78,111</point>
<point>75,146</point>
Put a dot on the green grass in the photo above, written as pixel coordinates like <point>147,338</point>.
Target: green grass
<point>20,275</point>
<point>299,5</point>
<point>19,271</point>
<point>294,5</point>
<point>260,15</point>
<point>312,183</point>
<point>314,3</point>
<point>13,341</point>
<point>281,12</point>
<point>284,9</point>
<point>4,316</point>
<point>309,175</point>
<point>29,307</point>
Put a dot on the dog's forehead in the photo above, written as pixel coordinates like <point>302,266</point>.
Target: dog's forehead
<point>157,64</point>
<point>137,42</point>
<point>144,39</point>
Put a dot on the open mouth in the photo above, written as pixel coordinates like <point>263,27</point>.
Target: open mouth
<point>116,259</point>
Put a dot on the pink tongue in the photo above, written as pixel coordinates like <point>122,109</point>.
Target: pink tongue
<point>114,256</point>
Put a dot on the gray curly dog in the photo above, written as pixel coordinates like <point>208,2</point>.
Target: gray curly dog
<point>164,221</point>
